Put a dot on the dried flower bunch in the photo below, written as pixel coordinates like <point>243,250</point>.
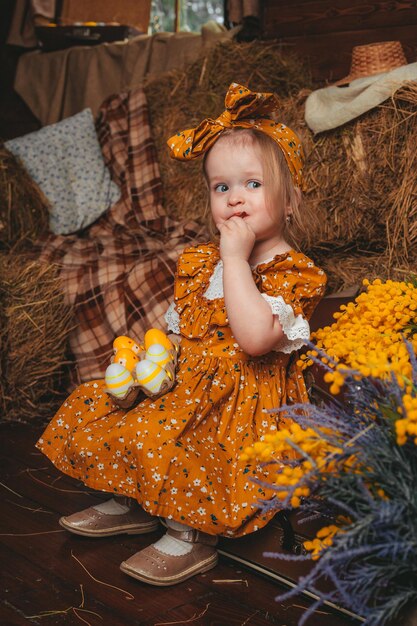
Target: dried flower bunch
<point>353,470</point>
<point>356,458</point>
<point>368,334</point>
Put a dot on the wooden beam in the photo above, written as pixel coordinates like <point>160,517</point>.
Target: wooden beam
<point>177,17</point>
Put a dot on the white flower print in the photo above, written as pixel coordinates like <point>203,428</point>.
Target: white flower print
<point>171,427</point>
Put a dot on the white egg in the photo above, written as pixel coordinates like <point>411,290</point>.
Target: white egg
<point>158,354</point>
<point>118,380</point>
<point>150,375</point>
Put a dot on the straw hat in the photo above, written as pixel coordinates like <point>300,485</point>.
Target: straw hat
<point>374,58</point>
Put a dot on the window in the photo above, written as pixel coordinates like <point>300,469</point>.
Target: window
<point>184,15</point>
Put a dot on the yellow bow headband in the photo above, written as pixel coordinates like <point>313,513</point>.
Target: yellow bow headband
<point>244,109</point>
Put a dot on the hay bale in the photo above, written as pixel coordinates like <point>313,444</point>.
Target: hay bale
<point>24,214</point>
<point>35,324</point>
<point>346,269</point>
<point>361,179</point>
<point>182,98</point>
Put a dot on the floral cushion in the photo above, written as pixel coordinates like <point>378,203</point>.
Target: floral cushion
<point>66,161</point>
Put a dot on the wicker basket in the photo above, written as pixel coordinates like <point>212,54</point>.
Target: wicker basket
<point>374,58</point>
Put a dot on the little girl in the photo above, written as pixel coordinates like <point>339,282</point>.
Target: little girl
<point>241,308</point>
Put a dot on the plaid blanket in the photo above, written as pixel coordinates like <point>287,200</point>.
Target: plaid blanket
<point>119,273</point>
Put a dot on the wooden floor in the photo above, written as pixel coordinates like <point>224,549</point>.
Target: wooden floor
<point>52,577</point>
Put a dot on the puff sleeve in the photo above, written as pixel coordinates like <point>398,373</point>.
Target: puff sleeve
<point>292,285</point>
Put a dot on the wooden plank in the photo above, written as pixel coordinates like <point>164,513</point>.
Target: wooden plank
<point>48,562</point>
<point>319,50</point>
<point>212,610</point>
<point>30,589</point>
<point>55,579</point>
<point>40,572</point>
<point>291,19</point>
<point>128,12</point>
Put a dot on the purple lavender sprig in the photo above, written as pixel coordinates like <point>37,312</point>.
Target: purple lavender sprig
<point>372,564</point>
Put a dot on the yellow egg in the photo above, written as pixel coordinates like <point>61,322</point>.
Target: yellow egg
<point>118,380</point>
<point>150,375</point>
<point>158,354</point>
<point>153,335</point>
<point>125,342</point>
<point>127,358</point>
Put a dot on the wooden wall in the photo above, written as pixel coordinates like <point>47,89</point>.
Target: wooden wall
<point>325,31</point>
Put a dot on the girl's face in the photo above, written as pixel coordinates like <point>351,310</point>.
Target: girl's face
<point>235,177</point>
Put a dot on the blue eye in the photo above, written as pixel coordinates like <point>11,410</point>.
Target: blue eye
<point>221,188</point>
<point>254,184</point>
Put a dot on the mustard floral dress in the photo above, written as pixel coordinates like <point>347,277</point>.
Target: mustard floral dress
<point>179,455</point>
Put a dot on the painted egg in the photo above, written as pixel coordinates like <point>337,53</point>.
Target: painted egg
<point>125,342</point>
<point>127,358</point>
<point>153,335</point>
<point>158,354</point>
<point>118,380</point>
<point>150,375</point>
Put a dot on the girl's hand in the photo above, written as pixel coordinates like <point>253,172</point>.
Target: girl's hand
<point>236,238</point>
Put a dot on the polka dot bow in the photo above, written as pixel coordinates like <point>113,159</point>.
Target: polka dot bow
<point>244,109</point>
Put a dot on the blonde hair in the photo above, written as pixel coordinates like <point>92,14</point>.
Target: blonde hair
<point>279,185</point>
